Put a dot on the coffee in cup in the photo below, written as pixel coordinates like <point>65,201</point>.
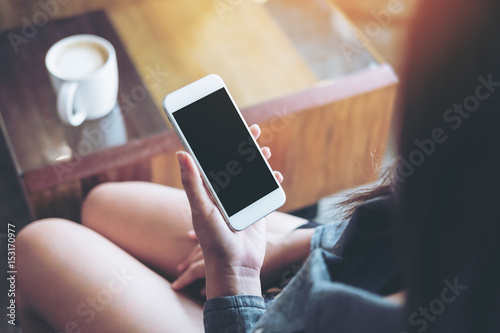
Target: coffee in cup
<point>84,73</point>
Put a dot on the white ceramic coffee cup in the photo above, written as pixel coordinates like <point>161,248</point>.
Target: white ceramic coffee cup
<point>84,73</point>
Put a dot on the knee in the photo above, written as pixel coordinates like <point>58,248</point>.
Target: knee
<point>35,238</point>
<point>96,202</point>
<point>34,234</point>
<point>31,249</point>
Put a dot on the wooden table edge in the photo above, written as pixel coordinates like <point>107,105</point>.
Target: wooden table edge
<point>325,92</point>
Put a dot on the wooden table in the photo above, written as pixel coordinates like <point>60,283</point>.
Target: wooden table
<point>296,67</point>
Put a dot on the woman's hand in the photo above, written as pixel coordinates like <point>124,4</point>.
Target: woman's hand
<point>192,268</point>
<point>284,254</point>
<point>233,260</point>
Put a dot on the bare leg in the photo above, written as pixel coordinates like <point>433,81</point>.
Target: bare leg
<point>151,221</point>
<point>71,278</point>
<point>148,221</point>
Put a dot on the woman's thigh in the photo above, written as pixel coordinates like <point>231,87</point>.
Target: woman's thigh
<point>147,220</point>
<point>70,276</point>
<point>151,221</point>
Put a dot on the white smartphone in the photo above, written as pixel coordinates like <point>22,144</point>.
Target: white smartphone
<point>213,131</point>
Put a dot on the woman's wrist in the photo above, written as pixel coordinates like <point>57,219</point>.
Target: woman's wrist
<point>297,245</point>
<point>284,252</point>
<point>227,280</point>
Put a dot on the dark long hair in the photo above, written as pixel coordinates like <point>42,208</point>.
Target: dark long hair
<point>447,181</point>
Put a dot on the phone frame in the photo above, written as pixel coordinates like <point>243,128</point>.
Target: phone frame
<point>191,93</point>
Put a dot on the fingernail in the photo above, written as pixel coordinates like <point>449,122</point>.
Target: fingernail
<point>174,285</point>
<point>181,158</point>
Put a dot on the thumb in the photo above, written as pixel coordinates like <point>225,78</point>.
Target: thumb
<point>193,184</point>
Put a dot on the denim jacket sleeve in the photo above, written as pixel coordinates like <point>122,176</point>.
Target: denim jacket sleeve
<point>232,313</point>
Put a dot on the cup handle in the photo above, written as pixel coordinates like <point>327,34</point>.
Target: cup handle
<point>65,104</point>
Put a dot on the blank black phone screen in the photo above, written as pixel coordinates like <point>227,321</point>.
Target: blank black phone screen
<point>225,150</point>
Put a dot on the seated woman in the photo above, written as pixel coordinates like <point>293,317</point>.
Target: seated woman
<point>112,274</point>
<point>138,236</point>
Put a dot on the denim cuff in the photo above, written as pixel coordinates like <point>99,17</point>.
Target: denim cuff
<point>233,313</point>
